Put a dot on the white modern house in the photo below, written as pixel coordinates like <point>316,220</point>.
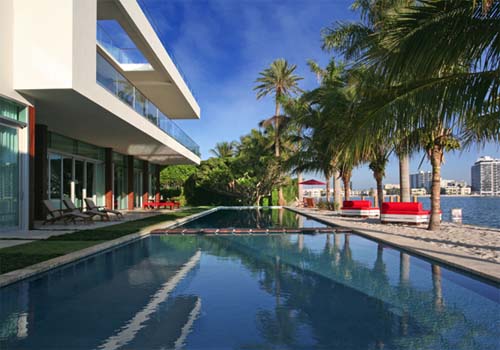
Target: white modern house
<point>88,95</point>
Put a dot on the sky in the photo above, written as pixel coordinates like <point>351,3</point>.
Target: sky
<point>222,45</point>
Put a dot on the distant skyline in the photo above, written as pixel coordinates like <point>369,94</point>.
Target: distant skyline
<point>222,45</point>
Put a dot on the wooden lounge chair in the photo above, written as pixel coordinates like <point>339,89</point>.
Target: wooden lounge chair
<point>91,205</point>
<point>73,209</point>
<point>55,214</point>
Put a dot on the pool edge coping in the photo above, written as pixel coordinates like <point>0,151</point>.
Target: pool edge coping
<point>44,266</point>
<point>437,256</point>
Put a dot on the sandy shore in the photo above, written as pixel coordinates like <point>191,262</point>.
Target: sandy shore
<point>481,242</point>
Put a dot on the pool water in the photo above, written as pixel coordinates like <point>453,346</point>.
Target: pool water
<point>281,291</point>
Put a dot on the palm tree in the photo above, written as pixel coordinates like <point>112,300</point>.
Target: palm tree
<point>352,40</point>
<point>379,157</point>
<point>452,94</point>
<point>224,149</point>
<point>278,80</point>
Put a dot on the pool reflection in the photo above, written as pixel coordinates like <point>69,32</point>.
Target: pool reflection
<point>328,291</point>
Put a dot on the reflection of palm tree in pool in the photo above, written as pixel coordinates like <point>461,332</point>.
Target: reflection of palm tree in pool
<point>404,283</point>
<point>336,248</point>
<point>327,244</point>
<point>300,242</point>
<point>379,265</point>
<point>346,256</point>
<point>306,281</point>
<point>438,291</point>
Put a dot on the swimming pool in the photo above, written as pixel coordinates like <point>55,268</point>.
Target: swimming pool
<point>280,291</point>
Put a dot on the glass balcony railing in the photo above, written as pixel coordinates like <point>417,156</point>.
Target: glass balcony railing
<point>113,38</point>
<point>113,81</point>
<point>124,53</point>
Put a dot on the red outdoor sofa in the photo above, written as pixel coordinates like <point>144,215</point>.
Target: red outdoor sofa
<point>405,212</point>
<point>360,208</point>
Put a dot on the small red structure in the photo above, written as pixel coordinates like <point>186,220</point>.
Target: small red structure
<point>360,208</point>
<point>405,212</point>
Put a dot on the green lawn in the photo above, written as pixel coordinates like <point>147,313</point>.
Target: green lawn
<point>23,255</point>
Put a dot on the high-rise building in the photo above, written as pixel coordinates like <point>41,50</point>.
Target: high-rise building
<point>422,179</point>
<point>485,176</point>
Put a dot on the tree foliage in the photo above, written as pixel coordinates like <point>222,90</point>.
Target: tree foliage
<point>174,176</point>
<point>242,179</point>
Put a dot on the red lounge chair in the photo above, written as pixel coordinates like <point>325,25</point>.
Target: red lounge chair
<point>359,208</point>
<point>405,212</point>
<point>158,205</point>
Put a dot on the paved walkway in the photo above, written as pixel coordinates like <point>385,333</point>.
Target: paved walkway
<point>12,238</point>
<point>471,248</point>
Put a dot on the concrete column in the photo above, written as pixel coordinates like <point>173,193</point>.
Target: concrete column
<point>145,182</point>
<point>157,172</point>
<point>108,177</point>
<point>130,182</point>
<point>38,181</point>
<point>39,170</point>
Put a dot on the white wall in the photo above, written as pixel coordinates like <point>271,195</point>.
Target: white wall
<point>43,39</point>
<point>84,41</point>
<point>6,52</point>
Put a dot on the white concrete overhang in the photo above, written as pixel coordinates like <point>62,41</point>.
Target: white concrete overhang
<point>160,80</point>
<point>70,113</point>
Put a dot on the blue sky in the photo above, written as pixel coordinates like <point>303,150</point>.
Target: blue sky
<point>222,45</point>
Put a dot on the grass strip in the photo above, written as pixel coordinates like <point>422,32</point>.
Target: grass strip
<point>23,255</point>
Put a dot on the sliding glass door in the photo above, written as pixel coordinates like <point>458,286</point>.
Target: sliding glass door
<point>73,178</point>
<point>9,177</point>
<point>138,188</point>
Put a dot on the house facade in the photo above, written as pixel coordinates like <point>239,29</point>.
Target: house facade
<point>88,99</point>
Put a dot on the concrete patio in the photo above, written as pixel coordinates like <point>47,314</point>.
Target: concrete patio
<point>12,238</point>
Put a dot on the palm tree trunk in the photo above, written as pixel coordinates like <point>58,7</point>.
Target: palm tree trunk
<point>337,197</point>
<point>299,180</point>
<point>276,130</point>
<point>346,179</point>
<point>404,177</point>
<point>328,179</point>
<point>277,151</point>
<point>436,159</point>
<point>380,189</point>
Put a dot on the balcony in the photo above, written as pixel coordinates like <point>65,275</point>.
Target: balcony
<point>116,42</point>
<point>112,80</point>
<point>113,39</point>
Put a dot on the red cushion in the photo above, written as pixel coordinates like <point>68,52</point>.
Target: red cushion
<point>403,208</point>
<point>356,204</point>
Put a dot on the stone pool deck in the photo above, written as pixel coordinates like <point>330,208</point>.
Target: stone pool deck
<point>471,248</point>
